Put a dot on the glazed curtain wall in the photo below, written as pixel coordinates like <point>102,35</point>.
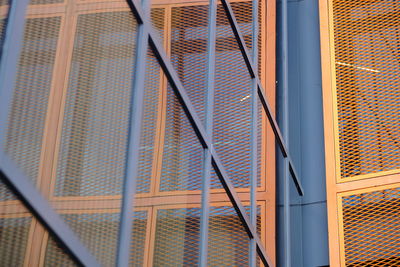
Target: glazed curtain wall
<point>360,52</point>
<point>126,144</point>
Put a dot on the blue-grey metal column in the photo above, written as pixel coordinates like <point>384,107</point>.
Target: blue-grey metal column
<point>314,213</point>
<point>254,133</point>
<point>133,152</point>
<point>285,131</point>
<point>205,197</point>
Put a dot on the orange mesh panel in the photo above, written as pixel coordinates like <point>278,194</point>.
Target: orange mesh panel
<point>56,256</point>
<point>41,2</point>
<point>228,240</point>
<point>15,223</point>
<point>177,237</point>
<point>189,51</point>
<point>367,37</point>
<point>371,223</point>
<point>13,240</point>
<point>96,118</point>
<point>31,91</point>
<point>183,154</point>
<point>232,116</point>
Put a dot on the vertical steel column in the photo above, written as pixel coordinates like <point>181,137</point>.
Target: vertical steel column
<point>205,197</point>
<point>285,130</point>
<point>133,153</point>
<point>254,128</point>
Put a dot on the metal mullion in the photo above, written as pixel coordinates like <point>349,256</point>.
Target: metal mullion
<point>253,73</point>
<point>205,199</point>
<point>190,112</point>
<point>254,128</point>
<point>133,150</point>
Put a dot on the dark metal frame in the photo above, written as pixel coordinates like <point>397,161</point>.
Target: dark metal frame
<point>147,36</point>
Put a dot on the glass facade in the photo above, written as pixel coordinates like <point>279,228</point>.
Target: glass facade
<point>137,134</point>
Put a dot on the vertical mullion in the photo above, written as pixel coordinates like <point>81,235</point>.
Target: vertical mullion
<point>12,45</point>
<point>285,129</point>
<point>132,159</point>
<point>205,197</point>
<point>254,124</point>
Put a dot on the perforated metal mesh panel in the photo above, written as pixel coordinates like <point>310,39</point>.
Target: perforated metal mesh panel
<point>41,2</point>
<point>371,225</point>
<point>15,222</point>
<point>56,256</point>
<point>232,119</point>
<point>95,127</point>
<point>367,66</point>
<point>228,240</point>
<point>189,34</point>
<point>98,232</point>
<point>177,237</point>
<point>183,153</point>
<point>13,240</point>
<point>30,98</point>
<point>139,231</point>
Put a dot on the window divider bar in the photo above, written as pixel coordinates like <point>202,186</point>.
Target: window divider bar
<point>254,128</point>
<point>253,73</point>
<point>133,150</point>
<point>210,84</point>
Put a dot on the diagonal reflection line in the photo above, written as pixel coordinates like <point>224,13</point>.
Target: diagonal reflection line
<point>190,112</point>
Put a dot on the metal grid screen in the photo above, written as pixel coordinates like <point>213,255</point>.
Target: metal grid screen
<point>371,225</point>
<point>366,37</point>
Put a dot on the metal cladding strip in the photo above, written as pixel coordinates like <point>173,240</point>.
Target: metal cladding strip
<point>187,106</point>
<point>10,174</point>
<point>253,73</point>
<point>205,199</point>
<point>25,191</point>
<point>132,159</point>
<point>254,135</point>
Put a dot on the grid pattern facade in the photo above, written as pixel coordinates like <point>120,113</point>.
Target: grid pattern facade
<point>105,104</point>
